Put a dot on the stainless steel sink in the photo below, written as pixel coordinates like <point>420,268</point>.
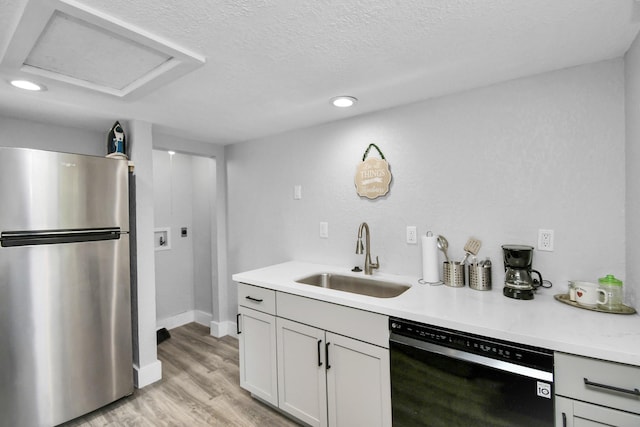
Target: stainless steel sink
<point>355,285</point>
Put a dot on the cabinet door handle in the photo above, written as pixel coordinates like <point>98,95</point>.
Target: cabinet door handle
<point>564,420</point>
<point>326,354</point>
<point>319,345</point>
<point>238,324</point>
<point>634,392</point>
<point>250,298</point>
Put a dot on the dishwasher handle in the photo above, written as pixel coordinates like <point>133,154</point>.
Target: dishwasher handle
<point>473,358</point>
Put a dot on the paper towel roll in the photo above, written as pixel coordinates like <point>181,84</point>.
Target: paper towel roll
<point>430,265</point>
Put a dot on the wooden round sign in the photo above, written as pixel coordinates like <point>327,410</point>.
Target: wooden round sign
<point>372,176</point>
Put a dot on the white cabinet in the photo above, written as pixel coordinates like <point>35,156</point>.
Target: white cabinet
<point>574,413</point>
<point>257,344</point>
<point>591,392</point>
<point>301,372</point>
<point>322,363</point>
<point>333,363</point>
<point>358,383</point>
<point>328,379</point>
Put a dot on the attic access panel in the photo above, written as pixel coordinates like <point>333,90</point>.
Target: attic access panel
<point>79,50</point>
<point>67,42</point>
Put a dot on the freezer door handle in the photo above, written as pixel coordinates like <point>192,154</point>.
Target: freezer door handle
<point>51,237</point>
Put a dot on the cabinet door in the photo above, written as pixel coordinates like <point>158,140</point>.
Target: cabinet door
<point>358,383</point>
<point>301,372</point>
<point>258,368</point>
<point>573,413</point>
<point>564,411</point>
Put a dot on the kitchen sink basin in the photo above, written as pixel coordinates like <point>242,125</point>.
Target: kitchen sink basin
<point>355,285</point>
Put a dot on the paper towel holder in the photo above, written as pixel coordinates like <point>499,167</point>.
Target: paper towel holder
<point>434,266</point>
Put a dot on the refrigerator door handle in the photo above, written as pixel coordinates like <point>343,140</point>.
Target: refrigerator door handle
<point>50,237</point>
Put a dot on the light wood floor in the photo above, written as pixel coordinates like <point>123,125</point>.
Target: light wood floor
<point>200,386</point>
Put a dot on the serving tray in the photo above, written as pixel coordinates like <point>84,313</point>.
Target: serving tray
<point>565,299</point>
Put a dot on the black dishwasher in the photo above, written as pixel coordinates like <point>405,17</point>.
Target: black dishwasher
<point>442,377</point>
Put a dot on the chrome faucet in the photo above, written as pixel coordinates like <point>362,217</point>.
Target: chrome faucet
<point>368,265</point>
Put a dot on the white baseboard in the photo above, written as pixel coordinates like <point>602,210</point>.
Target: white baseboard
<point>203,318</point>
<point>221,329</point>
<point>175,321</point>
<point>147,374</point>
<point>197,316</point>
<point>217,329</point>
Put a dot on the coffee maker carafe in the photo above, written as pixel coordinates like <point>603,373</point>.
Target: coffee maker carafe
<point>518,282</point>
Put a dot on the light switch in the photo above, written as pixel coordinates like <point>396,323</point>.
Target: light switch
<point>297,192</point>
<point>324,230</point>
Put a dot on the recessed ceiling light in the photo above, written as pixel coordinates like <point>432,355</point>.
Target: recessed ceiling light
<point>343,101</point>
<point>27,85</point>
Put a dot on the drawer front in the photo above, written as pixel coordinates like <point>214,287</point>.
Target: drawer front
<point>593,380</point>
<point>257,298</point>
<point>573,413</point>
<point>351,322</point>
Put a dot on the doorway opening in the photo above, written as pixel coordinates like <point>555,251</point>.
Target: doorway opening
<point>184,188</point>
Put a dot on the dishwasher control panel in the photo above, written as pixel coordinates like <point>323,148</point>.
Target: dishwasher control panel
<point>520,354</point>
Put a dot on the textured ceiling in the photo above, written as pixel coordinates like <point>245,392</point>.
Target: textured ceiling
<point>273,65</point>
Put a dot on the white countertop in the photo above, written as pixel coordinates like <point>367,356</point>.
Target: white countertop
<point>542,322</point>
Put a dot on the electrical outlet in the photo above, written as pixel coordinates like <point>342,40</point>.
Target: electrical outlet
<point>545,240</point>
<point>412,234</point>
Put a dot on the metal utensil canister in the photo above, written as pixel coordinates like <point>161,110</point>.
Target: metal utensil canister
<point>453,273</point>
<point>480,277</point>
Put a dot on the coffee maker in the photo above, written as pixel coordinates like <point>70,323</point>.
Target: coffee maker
<point>518,282</point>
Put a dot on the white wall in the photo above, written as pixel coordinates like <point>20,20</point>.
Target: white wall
<point>147,367</point>
<point>204,232</point>
<point>30,134</point>
<point>182,198</point>
<point>497,163</point>
<point>210,180</point>
<point>632,80</point>
<point>173,208</point>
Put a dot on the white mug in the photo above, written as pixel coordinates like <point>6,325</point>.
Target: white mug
<point>587,294</point>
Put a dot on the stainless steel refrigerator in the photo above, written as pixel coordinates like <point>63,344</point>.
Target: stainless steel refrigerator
<point>65,307</point>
